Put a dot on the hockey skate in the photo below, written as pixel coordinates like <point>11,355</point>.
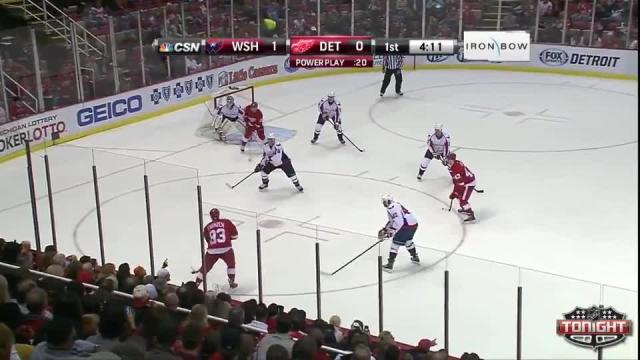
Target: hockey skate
<point>470,219</point>
<point>419,177</point>
<point>232,284</point>
<point>388,267</point>
<point>299,187</point>
<point>263,186</point>
<point>415,259</point>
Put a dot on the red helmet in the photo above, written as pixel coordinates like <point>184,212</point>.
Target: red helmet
<point>451,156</point>
<point>215,214</point>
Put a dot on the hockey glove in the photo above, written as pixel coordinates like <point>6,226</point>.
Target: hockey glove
<point>454,195</point>
<point>258,168</point>
<point>165,263</point>
<point>382,234</point>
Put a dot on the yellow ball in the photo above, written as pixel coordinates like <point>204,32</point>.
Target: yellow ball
<point>269,24</point>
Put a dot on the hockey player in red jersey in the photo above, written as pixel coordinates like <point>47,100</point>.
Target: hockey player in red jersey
<point>253,123</point>
<point>464,181</point>
<point>219,233</point>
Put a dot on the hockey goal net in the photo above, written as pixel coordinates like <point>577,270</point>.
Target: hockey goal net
<point>212,125</point>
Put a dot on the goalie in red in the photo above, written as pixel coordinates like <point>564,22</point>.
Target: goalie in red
<point>464,181</point>
<point>253,124</point>
<point>219,233</point>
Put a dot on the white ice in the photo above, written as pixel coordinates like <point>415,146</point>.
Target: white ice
<point>556,156</point>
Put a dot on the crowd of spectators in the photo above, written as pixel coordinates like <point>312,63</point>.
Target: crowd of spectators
<point>48,318</point>
<point>193,18</point>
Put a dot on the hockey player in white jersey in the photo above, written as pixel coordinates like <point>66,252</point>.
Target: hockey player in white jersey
<point>401,227</point>
<point>228,112</point>
<point>329,108</point>
<point>438,145</point>
<point>273,158</point>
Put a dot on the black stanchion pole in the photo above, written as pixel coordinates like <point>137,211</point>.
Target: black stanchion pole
<point>98,213</point>
<point>32,195</point>
<point>200,230</point>
<point>259,253</point>
<point>446,310</point>
<point>519,326</point>
<point>318,292</point>
<point>149,229</point>
<point>380,302</point>
<point>47,170</point>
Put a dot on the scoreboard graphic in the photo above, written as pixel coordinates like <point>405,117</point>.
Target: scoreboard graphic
<point>351,51</point>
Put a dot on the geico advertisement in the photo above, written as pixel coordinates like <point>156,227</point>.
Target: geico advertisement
<point>109,110</point>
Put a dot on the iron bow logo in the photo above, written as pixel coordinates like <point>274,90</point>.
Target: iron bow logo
<point>594,327</point>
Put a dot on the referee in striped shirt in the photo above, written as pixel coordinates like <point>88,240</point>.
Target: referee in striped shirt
<point>392,65</point>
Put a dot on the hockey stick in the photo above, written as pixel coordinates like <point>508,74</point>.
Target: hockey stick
<point>239,182</point>
<point>355,258</point>
<point>346,137</point>
<point>450,205</point>
<point>480,191</point>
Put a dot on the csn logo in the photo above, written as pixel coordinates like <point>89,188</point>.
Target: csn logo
<point>554,57</point>
<point>110,110</point>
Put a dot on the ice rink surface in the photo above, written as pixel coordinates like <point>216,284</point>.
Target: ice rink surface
<point>556,156</point>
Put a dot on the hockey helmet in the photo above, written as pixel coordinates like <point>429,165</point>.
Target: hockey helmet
<point>438,127</point>
<point>271,136</point>
<point>331,96</point>
<point>230,100</point>
<point>451,156</point>
<point>215,214</point>
<point>254,104</point>
<point>387,200</point>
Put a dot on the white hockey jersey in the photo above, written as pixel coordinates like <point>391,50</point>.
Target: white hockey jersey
<point>273,154</point>
<point>231,112</point>
<point>439,145</point>
<point>399,216</point>
<point>331,110</point>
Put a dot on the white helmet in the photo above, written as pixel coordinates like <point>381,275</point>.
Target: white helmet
<point>271,136</point>
<point>387,200</point>
<point>331,94</point>
<point>438,127</point>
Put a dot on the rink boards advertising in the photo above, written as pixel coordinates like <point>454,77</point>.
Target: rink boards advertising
<point>354,51</point>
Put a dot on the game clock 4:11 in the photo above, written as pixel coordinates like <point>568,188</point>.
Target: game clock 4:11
<point>432,47</point>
